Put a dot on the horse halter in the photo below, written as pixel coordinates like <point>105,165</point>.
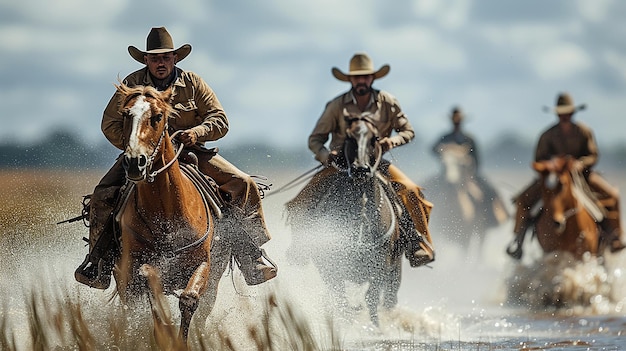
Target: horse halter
<point>362,161</point>
<point>145,163</point>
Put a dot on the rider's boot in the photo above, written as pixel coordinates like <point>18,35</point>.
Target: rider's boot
<point>254,263</point>
<point>95,271</point>
<point>612,233</point>
<point>422,252</point>
<point>419,249</point>
<point>256,270</point>
<point>514,249</point>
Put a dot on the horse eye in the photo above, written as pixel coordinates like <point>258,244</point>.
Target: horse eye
<point>158,117</point>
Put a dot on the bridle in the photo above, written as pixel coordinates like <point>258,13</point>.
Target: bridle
<point>378,154</point>
<point>151,175</point>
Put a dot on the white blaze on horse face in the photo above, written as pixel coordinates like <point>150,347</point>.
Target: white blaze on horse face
<point>137,111</point>
<point>362,140</point>
<point>457,162</point>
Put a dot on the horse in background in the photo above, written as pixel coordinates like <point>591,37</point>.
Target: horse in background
<point>569,273</point>
<point>349,226</point>
<point>568,219</point>
<point>466,205</point>
<point>169,218</point>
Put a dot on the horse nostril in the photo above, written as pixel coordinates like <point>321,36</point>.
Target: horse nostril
<point>142,162</point>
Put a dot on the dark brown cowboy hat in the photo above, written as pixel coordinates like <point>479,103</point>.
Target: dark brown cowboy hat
<point>360,65</point>
<point>159,41</point>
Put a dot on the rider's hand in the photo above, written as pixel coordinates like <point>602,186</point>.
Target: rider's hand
<point>578,166</point>
<point>188,137</point>
<point>386,144</point>
<point>332,157</point>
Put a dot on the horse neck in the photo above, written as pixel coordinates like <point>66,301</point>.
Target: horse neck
<point>166,193</point>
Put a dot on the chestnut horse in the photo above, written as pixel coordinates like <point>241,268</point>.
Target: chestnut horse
<point>167,223</point>
<point>569,216</point>
<point>348,225</point>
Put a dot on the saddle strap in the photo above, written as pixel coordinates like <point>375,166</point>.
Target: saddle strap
<point>208,191</point>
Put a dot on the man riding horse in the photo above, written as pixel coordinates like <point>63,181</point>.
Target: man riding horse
<point>574,139</point>
<point>388,117</point>
<point>199,117</point>
<point>459,137</point>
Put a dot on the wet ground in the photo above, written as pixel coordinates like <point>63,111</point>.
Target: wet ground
<point>460,303</point>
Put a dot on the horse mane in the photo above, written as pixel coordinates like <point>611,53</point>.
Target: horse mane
<point>128,93</point>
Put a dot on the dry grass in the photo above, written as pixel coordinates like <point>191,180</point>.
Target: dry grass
<point>32,196</point>
<point>58,321</point>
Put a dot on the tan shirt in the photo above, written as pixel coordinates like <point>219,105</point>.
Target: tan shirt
<point>195,102</point>
<point>579,143</point>
<point>332,122</point>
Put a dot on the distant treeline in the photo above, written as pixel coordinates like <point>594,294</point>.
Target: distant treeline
<point>62,149</point>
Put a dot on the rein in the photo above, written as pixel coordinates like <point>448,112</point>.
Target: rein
<point>298,180</point>
<point>150,177</point>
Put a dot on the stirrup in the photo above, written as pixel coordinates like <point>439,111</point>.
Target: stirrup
<point>93,275</point>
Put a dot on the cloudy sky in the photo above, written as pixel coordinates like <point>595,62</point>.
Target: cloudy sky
<point>269,61</point>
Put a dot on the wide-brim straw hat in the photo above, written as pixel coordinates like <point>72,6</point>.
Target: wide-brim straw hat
<point>360,65</point>
<point>159,41</point>
<point>565,104</point>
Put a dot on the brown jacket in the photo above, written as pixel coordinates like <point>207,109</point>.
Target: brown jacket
<point>332,122</point>
<point>579,143</point>
<point>195,102</point>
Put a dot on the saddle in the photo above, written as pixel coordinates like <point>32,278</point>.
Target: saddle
<point>207,187</point>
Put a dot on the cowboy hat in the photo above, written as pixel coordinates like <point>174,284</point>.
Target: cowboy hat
<point>159,41</point>
<point>565,104</point>
<point>360,65</point>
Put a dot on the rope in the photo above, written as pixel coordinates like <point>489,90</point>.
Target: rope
<point>297,181</point>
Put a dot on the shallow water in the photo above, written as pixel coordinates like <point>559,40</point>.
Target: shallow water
<point>460,303</point>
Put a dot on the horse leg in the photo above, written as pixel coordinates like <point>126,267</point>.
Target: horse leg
<point>219,263</point>
<point>190,297</point>
<point>392,283</point>
<point>372,297</point>
<point>164,329</point>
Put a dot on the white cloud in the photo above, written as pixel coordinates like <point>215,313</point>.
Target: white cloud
<point>559,61</point>
<point>420,44</point>
<point>449,14</point>
<point>617,61</point>
<point>313,15</point>
<point>595,11</point>
<point>67,13</point>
